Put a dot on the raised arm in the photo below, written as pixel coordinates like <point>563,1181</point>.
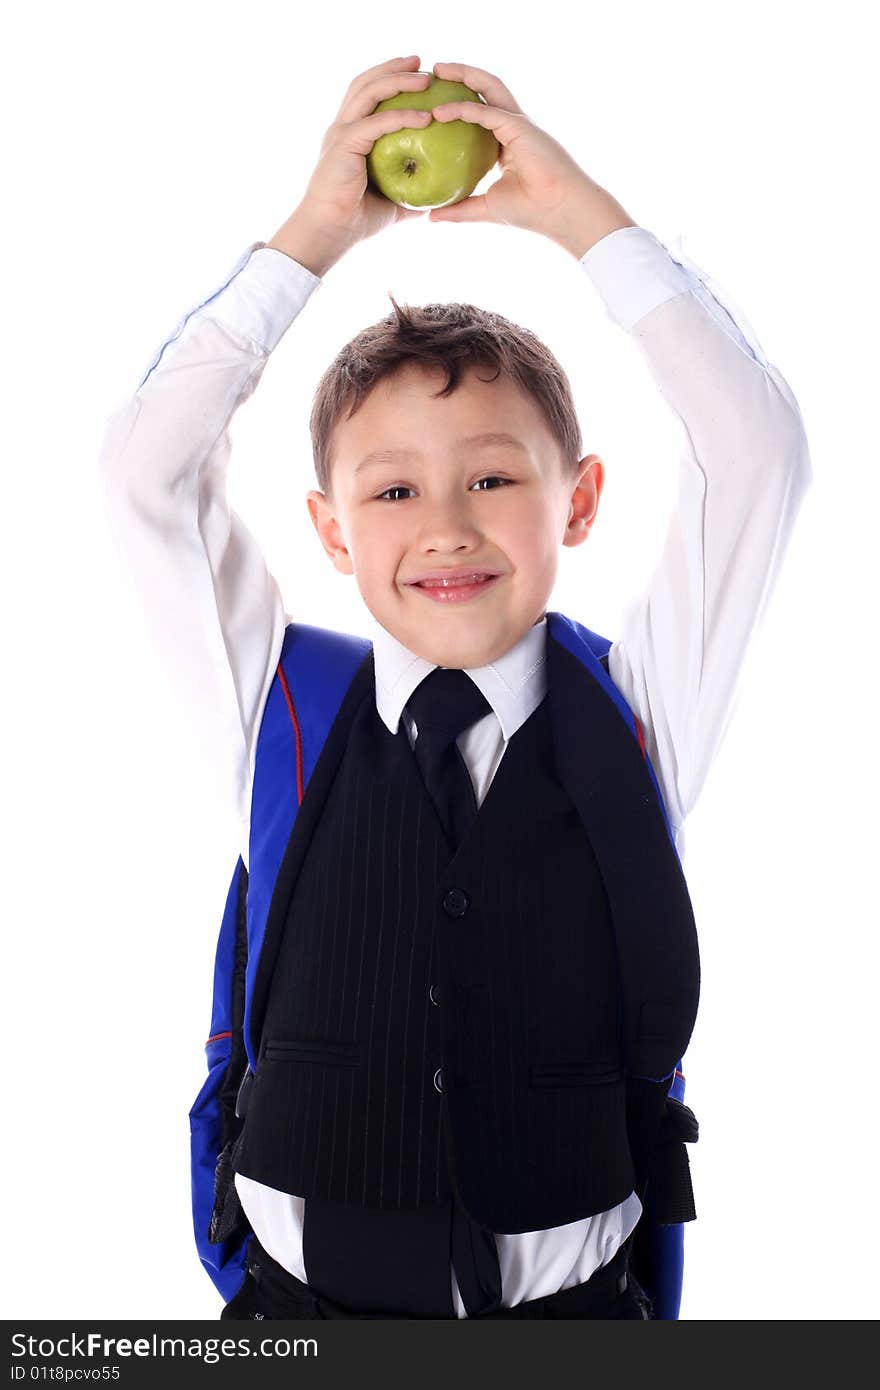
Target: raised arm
<point>745,465</point>
<point>743,471</point>
<point>214,610</point>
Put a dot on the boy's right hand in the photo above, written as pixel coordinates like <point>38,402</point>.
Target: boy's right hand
<point>338,208</point>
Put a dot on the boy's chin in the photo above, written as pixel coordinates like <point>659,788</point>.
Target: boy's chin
<point>456,639</point>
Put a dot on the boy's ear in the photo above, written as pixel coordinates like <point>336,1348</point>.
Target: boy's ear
<point>329,531</point>
<point>584,501</point>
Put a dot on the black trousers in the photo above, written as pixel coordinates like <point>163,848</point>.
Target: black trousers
<point>271,1292</point>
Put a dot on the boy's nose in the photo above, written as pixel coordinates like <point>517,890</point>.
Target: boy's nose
<point>448,528</point>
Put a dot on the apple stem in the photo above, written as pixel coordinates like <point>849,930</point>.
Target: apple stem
<point>409,167</point>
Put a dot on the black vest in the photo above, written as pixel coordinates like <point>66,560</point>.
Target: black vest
<point>423,1015</point>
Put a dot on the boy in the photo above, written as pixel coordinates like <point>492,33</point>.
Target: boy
<point>438,1123</point>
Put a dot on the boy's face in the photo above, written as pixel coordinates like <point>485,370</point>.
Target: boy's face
<point>449,504</point>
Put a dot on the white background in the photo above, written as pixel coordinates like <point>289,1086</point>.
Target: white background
<point>147,146</point>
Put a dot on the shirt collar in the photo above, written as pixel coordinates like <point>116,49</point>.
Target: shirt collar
<point>514,683</point>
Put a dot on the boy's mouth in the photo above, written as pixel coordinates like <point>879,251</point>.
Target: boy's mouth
<point>455,586</point>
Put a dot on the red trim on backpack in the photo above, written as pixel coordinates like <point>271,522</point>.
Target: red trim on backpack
<point>296,731</point>
<point>640,735</point>
<point>215,1037</point>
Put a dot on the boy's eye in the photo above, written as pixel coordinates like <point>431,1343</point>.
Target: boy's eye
<point>392,489</point>
<point>492,479</point>
<point>399,487</point>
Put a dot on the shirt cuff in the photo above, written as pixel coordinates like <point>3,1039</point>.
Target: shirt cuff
<point>262,295</point>
<point>634,272</point>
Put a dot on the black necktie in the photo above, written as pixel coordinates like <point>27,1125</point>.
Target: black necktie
<point>445,704</point>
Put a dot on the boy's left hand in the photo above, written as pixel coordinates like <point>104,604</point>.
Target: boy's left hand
<point>541,188</point>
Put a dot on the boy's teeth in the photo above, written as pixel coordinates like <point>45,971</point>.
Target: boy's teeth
<point>461,579</point>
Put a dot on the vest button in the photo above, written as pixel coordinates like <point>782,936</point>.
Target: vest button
<point>438,1080</point>
<point>456,902</point>
<point>432,995</point>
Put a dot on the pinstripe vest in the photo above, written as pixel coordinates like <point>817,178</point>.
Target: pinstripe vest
<point>509,1016</point>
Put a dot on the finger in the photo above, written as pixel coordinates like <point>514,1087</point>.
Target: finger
<point>362,135</point>
<point>505,125</point>
<point>366,99</point>
<point>473,209</point>
<point>486,83</point>
<point>393,65</point>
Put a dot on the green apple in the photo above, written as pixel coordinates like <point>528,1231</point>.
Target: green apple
<point>435,164</point>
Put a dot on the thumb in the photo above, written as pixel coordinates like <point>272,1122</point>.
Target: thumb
<point>468,210</point>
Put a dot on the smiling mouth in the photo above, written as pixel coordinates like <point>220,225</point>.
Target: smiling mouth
<point>448,580</point>
<point>456,589</point>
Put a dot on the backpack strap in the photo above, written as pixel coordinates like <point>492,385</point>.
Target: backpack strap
<point>314,672</point>
<point>228,1220</point>
<point>665,1190</point>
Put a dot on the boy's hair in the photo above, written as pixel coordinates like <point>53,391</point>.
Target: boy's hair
<point>454,337</point>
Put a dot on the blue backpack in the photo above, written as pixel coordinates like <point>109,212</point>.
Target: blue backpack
<point>328,661</point>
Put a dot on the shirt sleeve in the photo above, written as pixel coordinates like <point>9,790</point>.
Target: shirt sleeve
<point>743,471</point>
<point>211,605</point>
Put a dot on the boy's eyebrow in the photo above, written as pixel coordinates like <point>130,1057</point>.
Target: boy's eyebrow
<point>488,437</point>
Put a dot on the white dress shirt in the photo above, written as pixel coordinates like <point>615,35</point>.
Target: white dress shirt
<point>218,618</point>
